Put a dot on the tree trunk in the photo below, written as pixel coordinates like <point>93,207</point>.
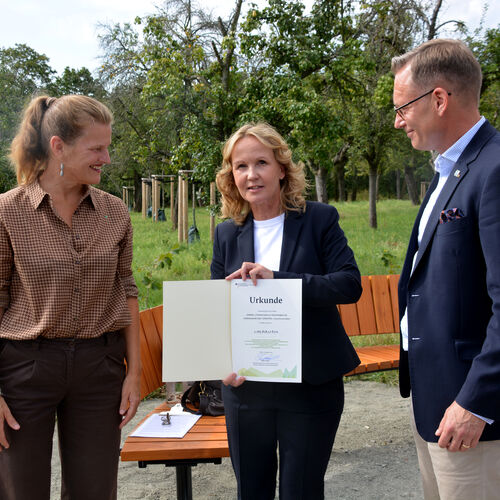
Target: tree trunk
<point>398,184</point>
<point>341,185</point>
<point>411,185</point>
<point>372,196</point>
<point>340,161</point>
<point>354,184</point>
<point>320,182</point>
<point>176,208</point>
<point>137,192</point>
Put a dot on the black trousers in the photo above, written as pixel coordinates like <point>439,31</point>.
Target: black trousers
<point>298,422</point>
<point>79,382</point>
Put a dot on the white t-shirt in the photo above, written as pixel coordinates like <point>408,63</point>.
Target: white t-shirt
<point>267,238</point>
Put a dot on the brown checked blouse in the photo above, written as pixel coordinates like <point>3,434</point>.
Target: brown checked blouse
<point>64,282</point>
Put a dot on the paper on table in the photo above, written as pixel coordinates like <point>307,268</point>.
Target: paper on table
<point>153,426</point>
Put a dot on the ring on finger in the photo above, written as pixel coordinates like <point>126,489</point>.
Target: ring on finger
<point>466,446</point>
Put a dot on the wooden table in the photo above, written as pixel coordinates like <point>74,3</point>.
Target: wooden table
<point>206,442</point>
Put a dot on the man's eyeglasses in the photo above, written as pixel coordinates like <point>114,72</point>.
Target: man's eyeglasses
<point>400,109</point>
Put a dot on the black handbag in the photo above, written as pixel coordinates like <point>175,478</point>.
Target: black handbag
<point>206,397</point>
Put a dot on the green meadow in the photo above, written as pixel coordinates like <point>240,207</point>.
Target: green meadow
<point>158,257</point>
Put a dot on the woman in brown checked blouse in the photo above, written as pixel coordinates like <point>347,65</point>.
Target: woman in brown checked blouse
<point>68,307</point>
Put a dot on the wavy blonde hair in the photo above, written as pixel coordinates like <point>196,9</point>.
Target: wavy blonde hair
<point>292,186</point>
<point>45,117</point>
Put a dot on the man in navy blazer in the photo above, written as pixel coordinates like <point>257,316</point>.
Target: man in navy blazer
<point>449,290</point>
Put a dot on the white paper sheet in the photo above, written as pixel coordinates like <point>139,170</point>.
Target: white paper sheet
<point>196,330</point>
<point>153,427</point>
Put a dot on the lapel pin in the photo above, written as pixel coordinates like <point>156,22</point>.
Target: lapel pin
<point>457,173</point>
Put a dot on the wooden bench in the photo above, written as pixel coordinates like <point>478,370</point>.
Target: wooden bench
<point>375,313</point>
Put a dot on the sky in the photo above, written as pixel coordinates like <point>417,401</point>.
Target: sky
<point>66,30</point>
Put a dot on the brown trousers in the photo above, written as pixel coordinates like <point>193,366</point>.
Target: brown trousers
<point>79,383</point>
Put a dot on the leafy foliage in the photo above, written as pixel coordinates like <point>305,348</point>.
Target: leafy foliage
<point>180,81</point>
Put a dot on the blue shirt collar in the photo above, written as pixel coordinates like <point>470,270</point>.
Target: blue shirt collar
<point>444,163</point>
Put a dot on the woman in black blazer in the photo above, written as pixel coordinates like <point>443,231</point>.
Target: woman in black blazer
<point>272,232</point>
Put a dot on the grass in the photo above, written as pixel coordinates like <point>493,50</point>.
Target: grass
<point>152,240</point>
<point>377,251</point>
<point>382,250</point>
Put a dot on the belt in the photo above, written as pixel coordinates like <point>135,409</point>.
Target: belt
<point>104,339</point>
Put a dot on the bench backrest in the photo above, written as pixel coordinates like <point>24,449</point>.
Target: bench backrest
<point>151,333</point>
<point>375,312</point>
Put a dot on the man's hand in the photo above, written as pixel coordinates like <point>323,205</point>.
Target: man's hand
<point>6,418</point>
<point>459,429</point>
<point>131,397</point>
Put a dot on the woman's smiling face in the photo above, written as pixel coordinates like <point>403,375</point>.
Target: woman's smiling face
<point>84,158</point>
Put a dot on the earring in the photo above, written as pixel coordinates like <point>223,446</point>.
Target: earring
<point>61,172</point>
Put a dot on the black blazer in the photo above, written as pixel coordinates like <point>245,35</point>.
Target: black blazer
<point>453,295</point>
<point>314,249</point>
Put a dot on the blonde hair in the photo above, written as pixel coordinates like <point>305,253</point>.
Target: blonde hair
<point>292,185</point>
<point>46,117</point>
<point>443,59</point>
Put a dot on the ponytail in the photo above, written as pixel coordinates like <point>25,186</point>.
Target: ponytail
<point>28,151</point>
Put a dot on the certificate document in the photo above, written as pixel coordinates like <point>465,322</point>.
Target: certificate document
<point>266,330</point>
<point>213,328</point>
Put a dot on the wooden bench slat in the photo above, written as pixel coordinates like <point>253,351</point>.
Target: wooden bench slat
<point>149,377</point>
<point>190,436</point>
<point>349,317</point>
<point>393,287</point>
<point>364,306</point>
<point>139,452</point>
<point>154,344</point>
<point>382,304</point>
<point>158,317</point>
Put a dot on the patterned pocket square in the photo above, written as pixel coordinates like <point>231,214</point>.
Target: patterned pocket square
<point>450,214</point>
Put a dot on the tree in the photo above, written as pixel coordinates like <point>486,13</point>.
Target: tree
<point>77,81</point>
<point>487,50</point>
<point>23,72</point>
<point>180,81</point>
<point>302,77</point>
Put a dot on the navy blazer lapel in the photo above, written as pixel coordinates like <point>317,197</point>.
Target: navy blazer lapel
<point>456,176</point>
<point>470,154</point>
<point>245,240</point>
<point>458,173</point>
<point>291,230</point>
